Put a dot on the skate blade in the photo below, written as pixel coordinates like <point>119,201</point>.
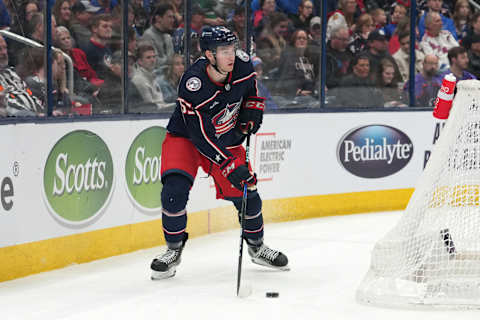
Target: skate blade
<point>158,275</point>
<point>262,263</point>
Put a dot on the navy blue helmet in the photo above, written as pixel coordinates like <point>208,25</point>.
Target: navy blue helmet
<point>213,37</point>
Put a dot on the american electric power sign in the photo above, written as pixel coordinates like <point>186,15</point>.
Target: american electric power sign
<point>374,151</point>
<point>78,177</point>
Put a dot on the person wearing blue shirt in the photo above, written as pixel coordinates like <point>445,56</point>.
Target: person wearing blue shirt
<point>4,16</point>
<point>287,6</point>
<point>458,59</point>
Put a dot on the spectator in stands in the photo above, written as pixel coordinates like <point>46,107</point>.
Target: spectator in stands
<point>388,85</point>
<point>140,16</point>
<point>270,104</point>
<point>437,41</point>
<point>169,81</point>
<point>178,12</point>
<point>379,18</point>
<point>447,23</point>
<point>402,57</point>
<point>32,69</point>
<point>267,7</point>
<point>143,76</point>
<point>427,82</point>
<point>85,78</point>
<point>301,20</point>
<point>198,20</point>
<point>211,16</point>
<point>82,13</point>
<point>458,59</point>
<point>344,16</point>
<point>314,48</point>
<point>98,48</point>
<point>106,6</point>
<point>111,93</point>
<point>5,20</point>
<point>62,12</point>
<point>271,42</point>
<point>474,56</point>
<point>357,89</point>
<point>23,15</point>
<point>159,33</point>
<point>34,30</point>
<point>338,57</point>
<point>237,25</point>
<point>403,26</point>
<point>296,74</point>
<point>473,30</point>
<point>461,18</point>
<point>378,50</point>
<point>315,30</point>
<point>17,97</point>
<point>363,27</point>
<point>399,13</point>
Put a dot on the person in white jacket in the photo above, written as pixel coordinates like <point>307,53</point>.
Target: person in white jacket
<point>143,77</point>
<point>436,41</point>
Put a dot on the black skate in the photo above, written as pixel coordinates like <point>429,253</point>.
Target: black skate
<point>267,257</point>
<point>164,265</point>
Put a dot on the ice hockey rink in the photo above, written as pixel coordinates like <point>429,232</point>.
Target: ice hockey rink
<point>328,259</point>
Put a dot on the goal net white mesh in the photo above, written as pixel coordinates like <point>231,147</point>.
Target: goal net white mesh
<point>432,256</point>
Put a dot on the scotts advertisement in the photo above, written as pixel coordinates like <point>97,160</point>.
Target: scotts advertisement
<point>142,170</point>
<point>374,151</point>
<point>78,179</point>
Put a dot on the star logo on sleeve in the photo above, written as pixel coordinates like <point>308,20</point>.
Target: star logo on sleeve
<point>218,158</point>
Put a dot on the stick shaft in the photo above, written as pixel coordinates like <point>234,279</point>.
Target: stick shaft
<point>242,217</point>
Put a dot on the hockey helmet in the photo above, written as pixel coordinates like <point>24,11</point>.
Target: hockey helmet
<point>213,37</point>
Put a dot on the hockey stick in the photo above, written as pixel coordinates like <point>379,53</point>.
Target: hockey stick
<point>242,217</point>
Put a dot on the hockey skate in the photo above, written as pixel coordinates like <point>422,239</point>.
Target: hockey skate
<point>267,257</point>
<point>164,266</point>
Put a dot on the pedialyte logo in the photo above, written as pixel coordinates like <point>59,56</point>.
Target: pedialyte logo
<point>374,151</point>
<point>78,179</point>
<point>142,170</point>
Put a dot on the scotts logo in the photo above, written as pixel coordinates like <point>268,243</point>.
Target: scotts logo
<point>78,178</point>
<point>142,170</point>
<point>374,151</point>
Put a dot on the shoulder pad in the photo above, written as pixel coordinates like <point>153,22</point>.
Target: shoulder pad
<point>242,55</point>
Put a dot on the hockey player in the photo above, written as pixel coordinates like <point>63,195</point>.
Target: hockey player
<point>217,105</point>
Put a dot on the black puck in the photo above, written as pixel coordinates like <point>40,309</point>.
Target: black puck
<point>272,294</point>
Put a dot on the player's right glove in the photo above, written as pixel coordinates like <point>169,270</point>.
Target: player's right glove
<point>237,173</point>
<point>251,115</point>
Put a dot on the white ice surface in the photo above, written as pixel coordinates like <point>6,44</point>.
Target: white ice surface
<point>328,259</point>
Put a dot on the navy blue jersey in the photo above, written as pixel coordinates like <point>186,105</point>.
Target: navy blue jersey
<point>207,111</point>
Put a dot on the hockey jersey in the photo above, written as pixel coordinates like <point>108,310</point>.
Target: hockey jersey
<point>207,111</point>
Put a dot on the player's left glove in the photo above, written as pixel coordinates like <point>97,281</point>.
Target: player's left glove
<point>251,115</point>
<point>237,173</point>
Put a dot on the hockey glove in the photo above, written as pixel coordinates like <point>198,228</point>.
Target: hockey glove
<point>251,116</point>
<point>237,173</point>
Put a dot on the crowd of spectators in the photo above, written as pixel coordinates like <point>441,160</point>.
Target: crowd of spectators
<point>367,51</point>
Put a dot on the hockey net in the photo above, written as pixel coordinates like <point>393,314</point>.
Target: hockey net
<point>432,256</point>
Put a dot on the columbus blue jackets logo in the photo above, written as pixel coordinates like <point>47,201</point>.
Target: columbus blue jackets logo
<point>226,119</point>
<point>242,55</point>
<point>194,84</point>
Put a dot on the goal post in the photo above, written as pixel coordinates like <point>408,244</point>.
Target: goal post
<point>431,257</point>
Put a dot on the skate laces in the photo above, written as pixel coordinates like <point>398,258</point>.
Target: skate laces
<point>169,256</point>
<point>267,253</point>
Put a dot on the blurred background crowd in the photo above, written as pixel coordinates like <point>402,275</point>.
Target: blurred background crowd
<point>366,46</point>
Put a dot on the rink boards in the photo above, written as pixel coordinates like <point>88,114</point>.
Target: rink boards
<point>79,191</point>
